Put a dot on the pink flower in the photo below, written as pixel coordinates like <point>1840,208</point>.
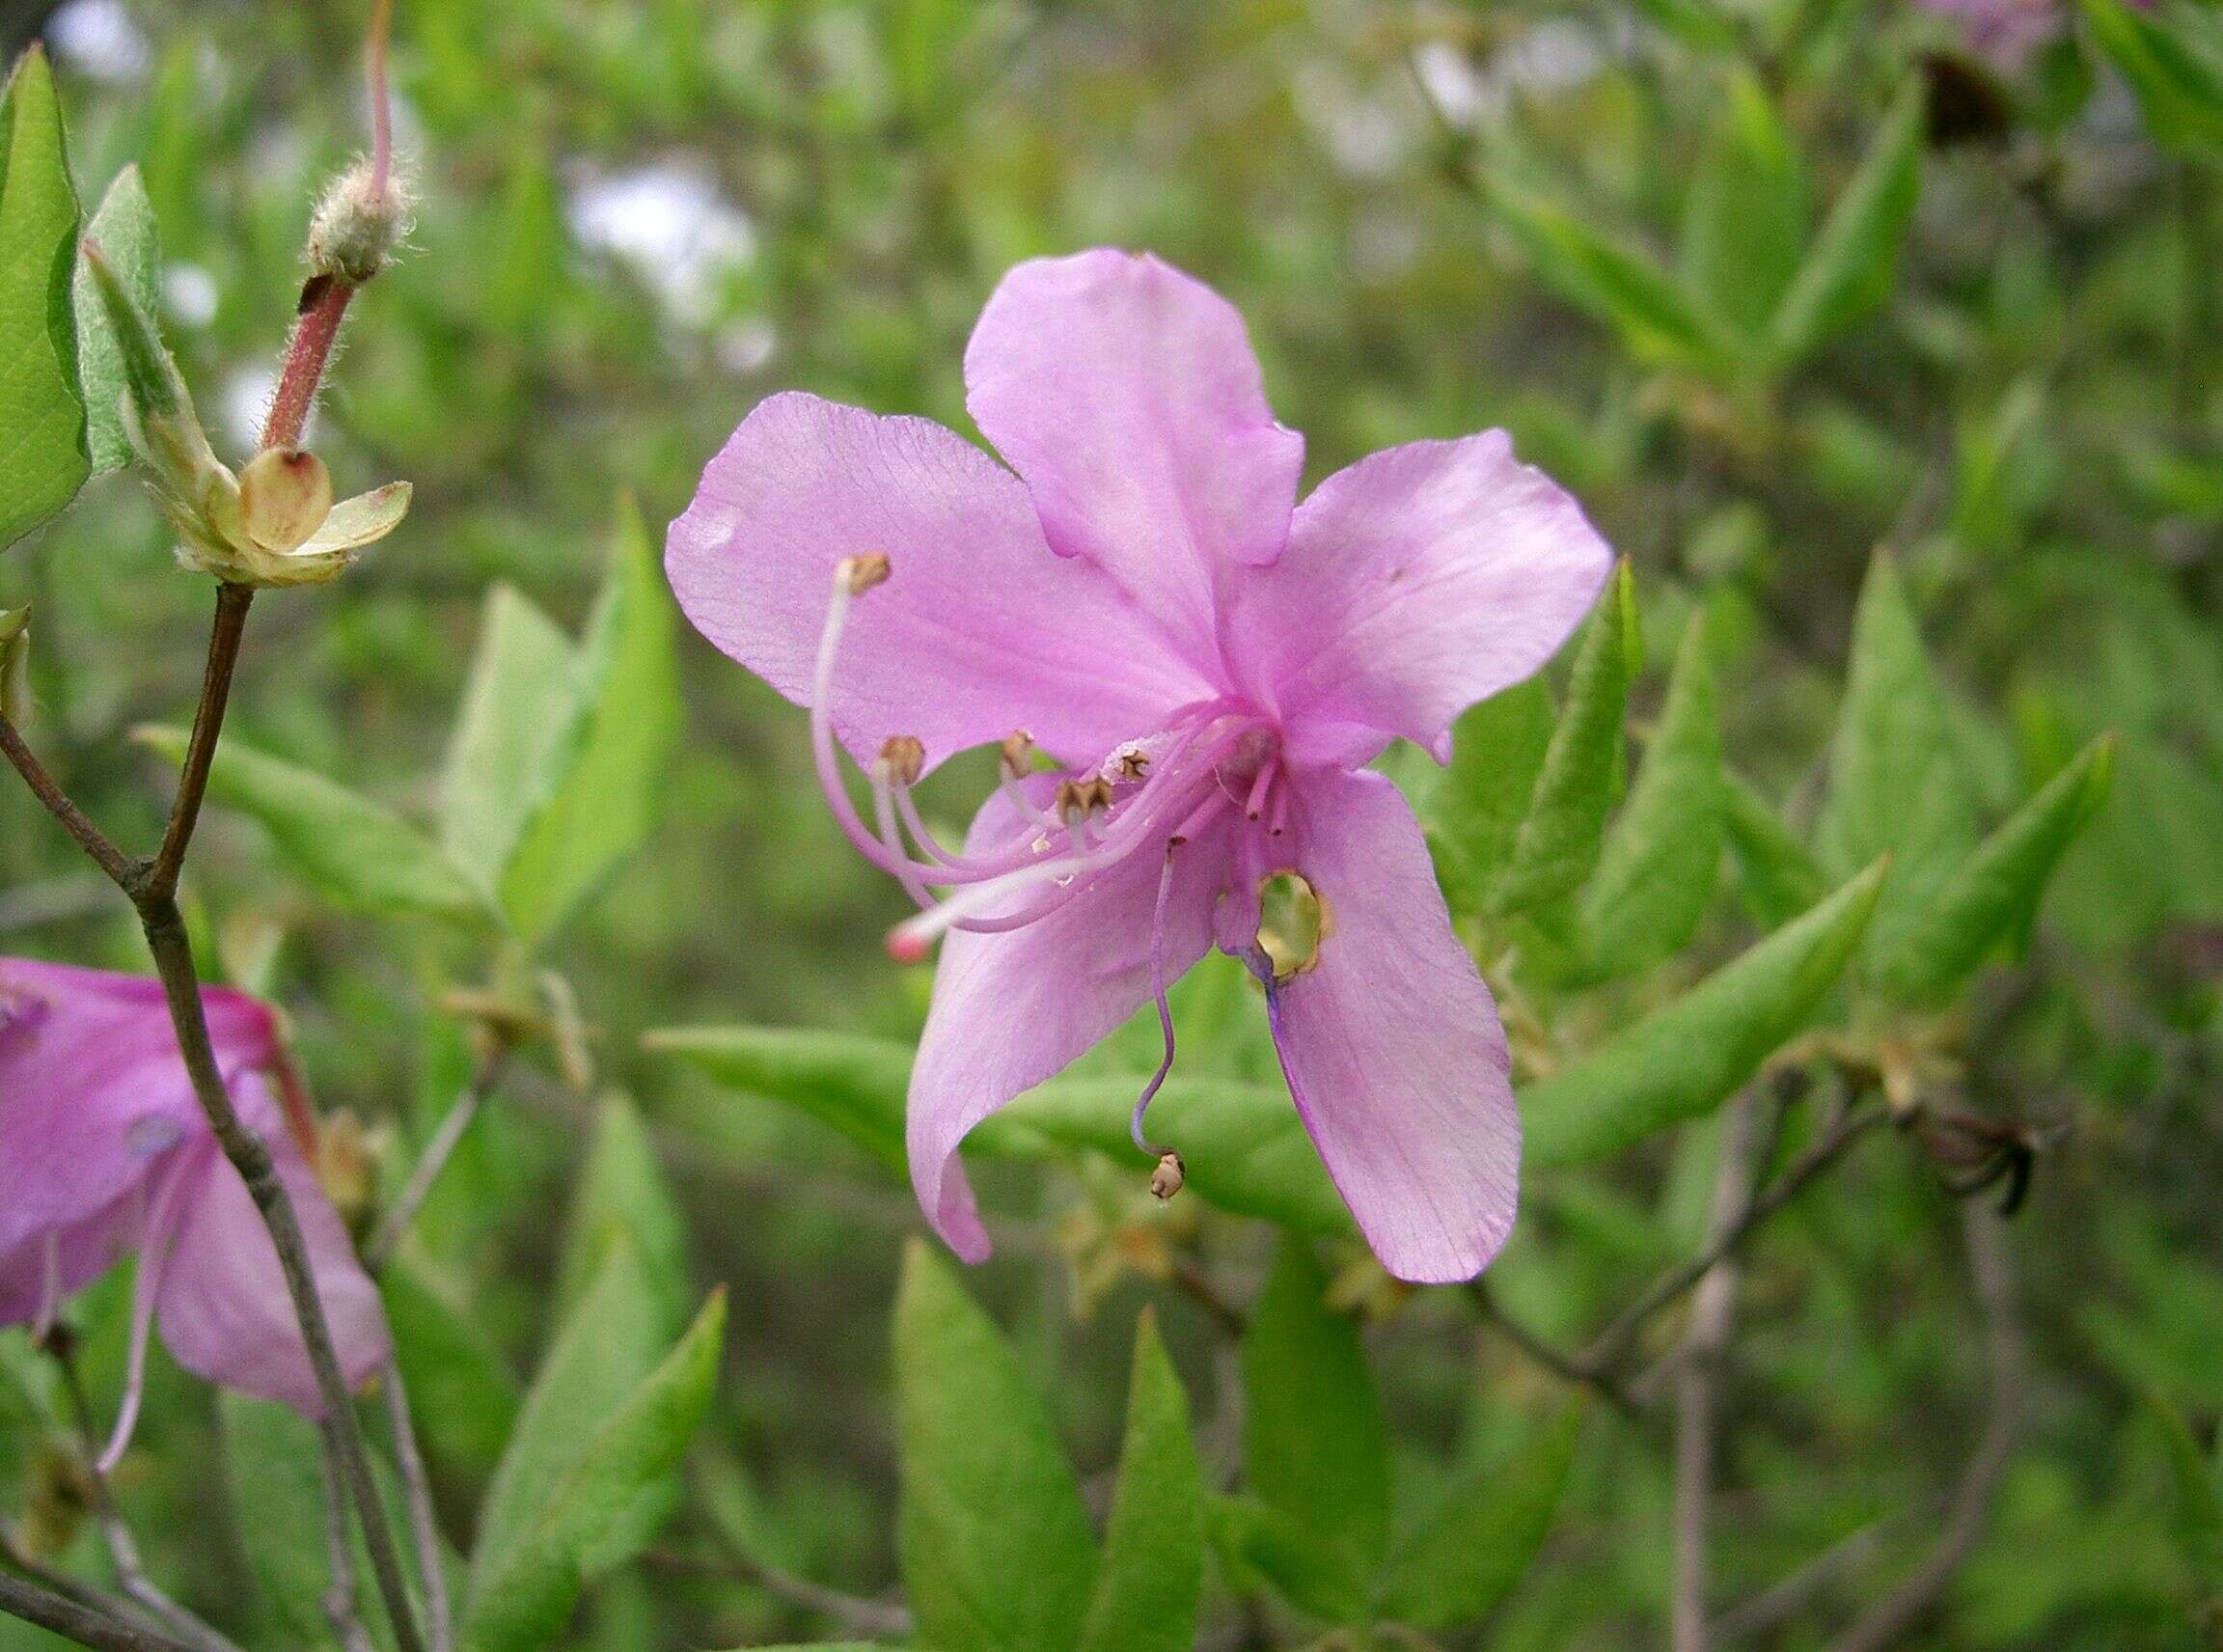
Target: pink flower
<point>104,1150</point>
<point>1210,664</point>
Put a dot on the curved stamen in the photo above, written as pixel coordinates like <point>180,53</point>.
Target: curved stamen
<point>162,1218</point>
<point>884,812</point>
<point>49,1289</point>
<point>1165,1008</point>
<point>922,835</point>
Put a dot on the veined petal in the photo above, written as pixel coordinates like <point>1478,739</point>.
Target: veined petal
<point>1015,1008</point>
<point>1126,394</point>
<point>1417,581</point>
<point>978,629</point>
<point>1392,1043</point>
<point>223,1308</point>
<point>362,521</point>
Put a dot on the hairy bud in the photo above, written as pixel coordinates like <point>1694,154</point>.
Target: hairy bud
<point>357,226</point>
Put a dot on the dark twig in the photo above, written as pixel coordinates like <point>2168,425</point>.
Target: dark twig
<point>89,838</point>
<point>1565,1366</point>
<point>424,1526</point>
<point>852,1612</point>
<point>1189,1275</point>
<point>1992,1272</point>
<point>1784,1600</point>
<point>159,881</point>
<point>446,1138</point>
<point>15,1556</point>
<point>49,1608</point>
<point>339,1602</point>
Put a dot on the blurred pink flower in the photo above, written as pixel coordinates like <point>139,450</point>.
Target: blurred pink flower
<point>1211,665</point>
<point>104,1150</point>
<point>2007,33</point>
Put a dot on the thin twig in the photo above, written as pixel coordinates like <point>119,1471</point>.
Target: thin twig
<point>423,1525</point>
<point>14,1555</point>
<point>852,1612</point>
<point>1189,1275</point>
<point>1785,1599</point>
<point>1992,1272</point>
<point>89,838</point>
<point>1564,1366</point>
<point>446,1138</point>
<point>104,1632</point>
<point>160,880</point>
<point>338,1603</point>
<point>1706,1341</point>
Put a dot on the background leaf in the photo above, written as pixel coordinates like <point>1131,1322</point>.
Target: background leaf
<point>1147,1587</point>
<point>43,459</point>
<point>514,721</point>
<point>1849,269</point>
<point>123,230</point>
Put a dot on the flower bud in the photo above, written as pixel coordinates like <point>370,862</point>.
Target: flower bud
<point>357,227</point>
<point>285,495</point>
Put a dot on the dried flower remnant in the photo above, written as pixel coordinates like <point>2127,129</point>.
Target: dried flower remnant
<point>1210,666</point>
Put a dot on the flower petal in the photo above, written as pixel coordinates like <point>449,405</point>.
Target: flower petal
<point>978,629</point>
<point>1417,581</point>
<point>1015,1008</point>
<point>1126,394</point>
<point>1392,1043</point>
<point>223,1308</point>
<point>93,1088</point>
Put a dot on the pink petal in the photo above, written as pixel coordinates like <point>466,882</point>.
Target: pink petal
<point>223,1308</point>
<point>978,630</point>
<point>1391,1044</point>
<point>92,1089</point>
<point>1417,581</point>
<point>82,1252</point>
<point>1126,394</point>
<point>1013,1009</point>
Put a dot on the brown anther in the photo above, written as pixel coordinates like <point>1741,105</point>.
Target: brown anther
<point>1131,761</point>
<point>1018,754</point>
<point>1168,1178</point>
<point>1078,799</point>
<point>862,573</point>
<point>903,758</point>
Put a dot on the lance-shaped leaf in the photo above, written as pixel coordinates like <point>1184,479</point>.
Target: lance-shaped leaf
<point>1849,269</point>
<point>1152,1573</point>
<point>627,722</point>
<point>2196,1522</point>
<point>1314,1445</point>
<point>123,231</point>
<point>1263,1547</point>
<point>1470,1550</point>
<point>43,459</point>
<point>356,853</point>
<point>2179,89</point>
<point>502,755</point>
<point>1994,895</point>
<point>997,1551</point>
<point>1745,224</point>
<point>1685,1060</point>
<point>1623,288</point>
<point>849,1082</point>
<point>1474,810</point>
<point>1557,844</point>
<point>1776,875</point>
<point>1656,874</point>
<point>523,1592</point>
<point>622,1196</point>
<point>464,1395</point>
<point>1897,785</point>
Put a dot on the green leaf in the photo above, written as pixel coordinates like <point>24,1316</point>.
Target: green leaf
<point>2179,89</point>
<point>1466,1555</point>
<point>1685,1058</point>
<point>1265,1547</point>
<point>997,1551</point>
<point>1475,808</point>
<point>1745,224</point>
<point>1849,269</point>
<point>123,230</point>
<point>1778,878</point>
<point>1557,844</point>
<point>462,1391</point>
<point>1994,895</point>
<point>1147,1587</point>
<point>854,1084</point>
<point>1657,872</point>
<point>623,1198</point>
<point>2197,1520</point>
<point>502,755</point>
<point>1619,285</point>
<point>629,723</point>
<point>523,1592</point>
<point>42,458</point>
<point>353,851</point>
<point>1897,785</point>
<point>606,1349</point>
<point>1314,1444</point>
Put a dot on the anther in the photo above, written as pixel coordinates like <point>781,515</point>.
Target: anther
<point>1079,799</point>
<point>862,573</point>
<point>903,758</point>
<point>1018,754</point>
<point>1168,1178</point>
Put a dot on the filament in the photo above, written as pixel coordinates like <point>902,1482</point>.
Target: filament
<point>1165,1008</point>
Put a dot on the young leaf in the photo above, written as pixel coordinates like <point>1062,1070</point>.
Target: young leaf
<point>463,1393</point>
<point>41,419</point>
<point>1687,1058</point>
<point>504,749</point>
<point>523,1593</point>
<point>850,1082</point>
<point>2179,90</point>
<point>1745,224</point>
<point>1620,286</point>
<point>1848,271</point>
<point>1261,1546</point>
<point>1994,895</point>
<point>356,853</point>
<point>123,230</point>
<point>1147,1587</point>
<point>1476,806</point>
<point>1897,785</point>
<point>1776,875</point>
<point>1314,1444</point>
<point>997,1551</point>
<point>1656,873</point>
<point>1481,1539</point>
<point>1557,844</point>
<point>623,1198</point>
<point>628,722</point>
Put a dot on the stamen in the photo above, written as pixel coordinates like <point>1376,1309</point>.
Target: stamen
<point>1165,1182</point>
<point>162,1217</point>
<point>49,1289</point>
<point>862,573</point>
<point>1257,801</point>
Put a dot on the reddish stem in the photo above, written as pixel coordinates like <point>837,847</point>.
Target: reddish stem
<point>314,336</point>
